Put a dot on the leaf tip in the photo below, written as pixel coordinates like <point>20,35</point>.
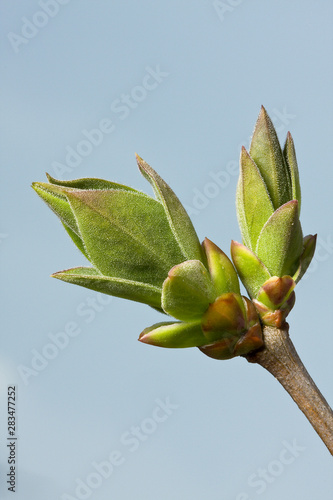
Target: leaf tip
<point>143,337</point>
<point>51,179</point>
<point>234,244</point>
<point>263,111</point>
<point>140,161</point>
<point>56,274</point>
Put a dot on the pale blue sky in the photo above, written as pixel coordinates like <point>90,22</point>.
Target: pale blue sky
<point>181,84</point>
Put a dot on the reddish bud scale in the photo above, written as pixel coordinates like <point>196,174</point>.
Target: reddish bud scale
<point>241,330</point>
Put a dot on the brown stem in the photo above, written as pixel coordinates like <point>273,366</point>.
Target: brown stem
<point>280,358</point>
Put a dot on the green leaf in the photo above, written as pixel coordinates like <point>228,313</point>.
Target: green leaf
<point>253,203</point>
<point>240,212</point>
<point>221,270</point>
<point>88,183</point>
<point>126,234</point>
<point>55,197</point>
<point>289,154</point>
<point>309,245</point>
<point>180,223</point>
<point>266,152</point>
<point>252,272</point>
<point>125,289</point>
<point>280,243</point>
<point>174,335</point>
<point>187,291</point>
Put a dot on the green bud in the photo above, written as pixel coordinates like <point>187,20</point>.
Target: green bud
<point>275,300</point>
<point>146,249</point>
<point>210,306</point>
<point>252,272</point>
<point>222,272</point>
<point>272,296</point>
<point>265,151</point>
<point>230,326</point>
<point>276,291</point>
<point>280,243</point>
<point>187,291</point>
<point>225,317</point>
<point>254,205</point>
<point>174,335</point>
<point>268,207</point>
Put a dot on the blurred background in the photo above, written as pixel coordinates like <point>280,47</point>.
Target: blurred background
<point>85,85</point>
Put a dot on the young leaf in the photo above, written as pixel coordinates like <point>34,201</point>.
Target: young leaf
<point>126,234</point>
<point>289,154</point>
<point>266,152</point>
<point>180,223</point>
<point>88,183</point>
<point>55,197</point>
<point>253,203</point>
<point>309,245</point>
<point>125,289</point>
<point>280,243</point>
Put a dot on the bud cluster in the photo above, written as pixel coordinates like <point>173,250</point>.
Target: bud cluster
<point>146,249</point>
<point>274,255</point>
